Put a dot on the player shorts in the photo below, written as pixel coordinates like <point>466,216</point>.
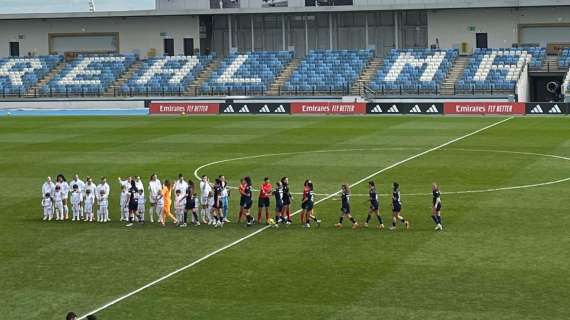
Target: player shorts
<point>204,201</point>
<point>345,210</point>
<point>374,205</point>
<point>263,202</point>
<point>247,204</point>
<point>133,206</point>
<point>309,205</point>
<point>438,208</point>
<point>286,201</point>
<point>279,206</point>
<point>396,207</point>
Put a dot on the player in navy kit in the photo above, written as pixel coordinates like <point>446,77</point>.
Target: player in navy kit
<point>247,200</point>
<point>397,208</point>
<point>286,200</point>
<point>436,207</point>
<point>345,208</point>
<point>374,206</point>
<point>218,215</point>
<point>309,204</point>
<point>278,193</point>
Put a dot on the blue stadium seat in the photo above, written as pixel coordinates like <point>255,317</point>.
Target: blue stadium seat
<point>89,75</point>
<point>18,75</point>
<point>328,70</point>
<point>498,69</point>
<point>169,75</point>
<point>414,71</point>
<point>249,72</point>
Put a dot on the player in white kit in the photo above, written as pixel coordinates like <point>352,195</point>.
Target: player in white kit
<point>124,204</point>
<point>205,194</point>
<point>64,189</point>
<point>76,200</point>
<point>48,207</point>
<point>103,214</point>
<point>58,203</point>
<point>81,185</point>
<point>89,202</point>
<point>140,205</point>
<point>154,187</point>
<point>179,206</point>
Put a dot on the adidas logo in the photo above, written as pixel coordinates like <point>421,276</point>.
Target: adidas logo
<point>537,109</point>
<point>393,109</point>
<point>280,109</point>
<point>416,109</point>
<point>265,109</point>
<point>432,109</point>
<point>377,109</point>
<point>229,109</point>
<point>244,109</point>
<point>555,109</point>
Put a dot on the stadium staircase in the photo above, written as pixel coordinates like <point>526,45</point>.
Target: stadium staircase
<point>275,88</point>
<point>551,63</point>
<point>448,85</point>
<point>203,76</point>
<point>114,88</point>
<point>366,76</point>
<point>34,90</point>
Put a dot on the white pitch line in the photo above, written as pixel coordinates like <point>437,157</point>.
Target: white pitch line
<point>258,231</point>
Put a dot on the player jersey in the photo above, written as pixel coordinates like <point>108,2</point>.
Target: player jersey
<point>140,200</point>
<point>89,200</point>
<point>247,192</point>
<point>345,199</point>
<point>124,198</point>
<point>265,191</point>
<point>286,193</point>
<point>133,195</point>
<point>64,189</point>
<point>217,194</point>
<point>57,196</point>
<point>76,197</point>
<point>396,197</point>
<point>46,202</point>
<point>91,187</point>
<point>373,196</point>
<point>279,195</point>
<point>180,202</point>
<point>310,196</point>
<point>436,195</point>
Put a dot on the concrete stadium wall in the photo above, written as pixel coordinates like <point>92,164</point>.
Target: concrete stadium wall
<point>136,34</point>
<point>452,27</point>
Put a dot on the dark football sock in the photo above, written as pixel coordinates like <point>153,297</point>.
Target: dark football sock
<point>380,220</point>
<point>340,220</point>
<point>435,219</point>
<point>368,218</point>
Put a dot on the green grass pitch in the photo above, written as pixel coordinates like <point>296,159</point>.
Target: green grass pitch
<point>503,254</point>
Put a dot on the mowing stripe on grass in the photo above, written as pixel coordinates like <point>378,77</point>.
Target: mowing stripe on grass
<point>258,231</point>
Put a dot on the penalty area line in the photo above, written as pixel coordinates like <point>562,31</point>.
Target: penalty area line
<point>258,231</point>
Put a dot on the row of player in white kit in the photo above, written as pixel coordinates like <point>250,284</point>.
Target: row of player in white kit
<point>85,195</point>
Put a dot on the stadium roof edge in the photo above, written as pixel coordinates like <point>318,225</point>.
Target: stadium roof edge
<point>300,10</point>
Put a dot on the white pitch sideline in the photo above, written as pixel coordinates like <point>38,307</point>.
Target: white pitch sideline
<point>258,231</point>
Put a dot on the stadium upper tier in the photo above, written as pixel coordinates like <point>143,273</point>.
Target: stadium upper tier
<point>414,70</point>
<point>403,71</point>
<point>250,72</point>
<point>328,70</point>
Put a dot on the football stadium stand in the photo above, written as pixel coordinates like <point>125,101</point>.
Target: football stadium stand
<point>17,75</point>
<point>247,73</point>
<point>165,75</point>
<point>498,69</point>
<point>328,71</point>
<point>89,75</point>
<point>416,71</point>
